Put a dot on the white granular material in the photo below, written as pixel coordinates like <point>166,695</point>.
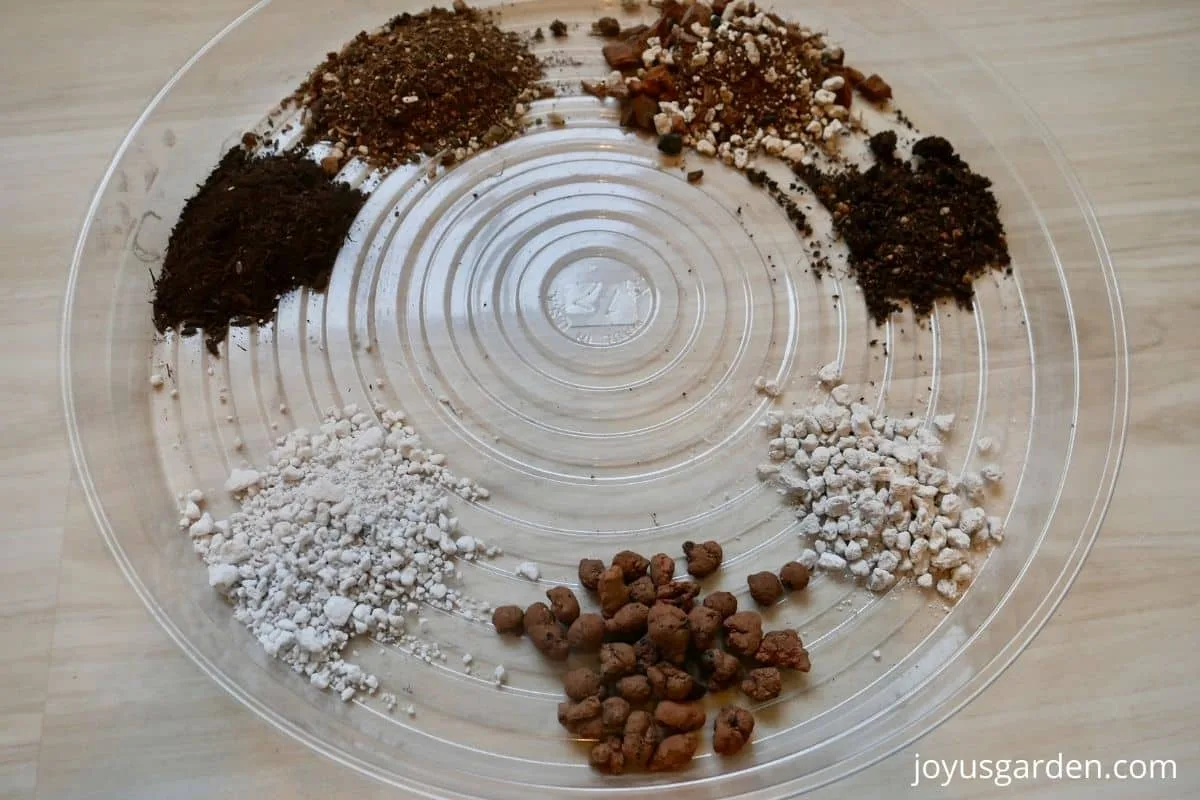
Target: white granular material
<point>873,498</point>
<point>528,570</point>
<point>770,388</point>
<point>830,373</point>
<point>348,531</point>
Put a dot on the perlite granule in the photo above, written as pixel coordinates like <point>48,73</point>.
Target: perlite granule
<point>348,531</point>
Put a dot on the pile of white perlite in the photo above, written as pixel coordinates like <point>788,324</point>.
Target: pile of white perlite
<point>347,532</point>
<point>873,496</point>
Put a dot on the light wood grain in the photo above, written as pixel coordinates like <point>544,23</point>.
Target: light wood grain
<point>96,701</point>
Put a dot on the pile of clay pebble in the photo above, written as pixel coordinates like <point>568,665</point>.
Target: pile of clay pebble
<point>348,531</point>
<point>659,652</point>
<point>873,496</point>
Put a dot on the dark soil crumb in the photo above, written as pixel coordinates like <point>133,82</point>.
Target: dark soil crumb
<point>781,198</point>
<point>256,229</point>
<point>917,232</point>
<point>670,144</point>
<point>607,27</point>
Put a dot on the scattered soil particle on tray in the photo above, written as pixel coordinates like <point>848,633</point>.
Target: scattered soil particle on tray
<point>607,27</point>
<point>917,231</point>
<point>424,83</point>
<point>780,196</point>
<point>256,229</point>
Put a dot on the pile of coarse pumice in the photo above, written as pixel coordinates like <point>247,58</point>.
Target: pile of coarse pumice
<point>656,652</point>
<point>873,495</point>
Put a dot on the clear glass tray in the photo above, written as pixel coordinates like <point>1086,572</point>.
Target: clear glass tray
<point>579,329</point>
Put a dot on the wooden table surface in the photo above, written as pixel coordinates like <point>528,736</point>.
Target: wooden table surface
<point>96,701</point>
